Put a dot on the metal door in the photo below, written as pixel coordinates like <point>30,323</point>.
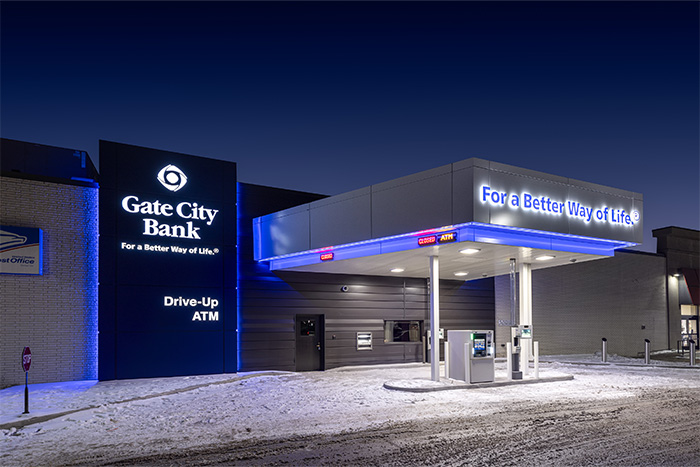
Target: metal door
<point>309,342</point>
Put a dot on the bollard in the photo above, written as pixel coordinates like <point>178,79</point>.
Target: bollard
<point>467,369</point>
<point>509,361</point>
<point>647,351</point>
<point>692,352</point>
<point>447,359</point>
<point>604,355</point>
<point>536,349</point>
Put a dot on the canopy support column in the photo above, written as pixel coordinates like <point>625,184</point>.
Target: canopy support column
<point>435,318</point>
<point>525,314</point>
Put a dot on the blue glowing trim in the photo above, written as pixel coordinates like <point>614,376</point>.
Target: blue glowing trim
<point>363,242</point>
<point>615,244</point>
<point>238,277</point>
<point>91,214</point>
<point>468,232</point>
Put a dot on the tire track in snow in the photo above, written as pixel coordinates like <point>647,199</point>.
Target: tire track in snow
<point>651,428</point>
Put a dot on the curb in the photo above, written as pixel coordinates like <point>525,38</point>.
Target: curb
<point>494,384</point>
<point>633,365</point>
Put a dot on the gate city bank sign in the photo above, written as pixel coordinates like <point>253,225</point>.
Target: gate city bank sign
<point>172,178</point>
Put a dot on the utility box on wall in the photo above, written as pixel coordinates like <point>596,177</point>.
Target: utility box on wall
<point>364,341</point>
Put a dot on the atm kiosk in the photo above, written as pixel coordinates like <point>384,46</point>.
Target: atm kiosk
<point>471,355</point>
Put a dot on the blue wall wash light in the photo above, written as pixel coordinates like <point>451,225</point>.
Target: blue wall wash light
<point>91,215</point>
<point>239,230</point>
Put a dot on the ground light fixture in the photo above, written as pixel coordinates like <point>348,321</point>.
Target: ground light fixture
<point>397,270</point>
<point>469,251</point>
<point>545,258</point>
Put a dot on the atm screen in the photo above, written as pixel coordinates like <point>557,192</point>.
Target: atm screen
<point>479,344</point>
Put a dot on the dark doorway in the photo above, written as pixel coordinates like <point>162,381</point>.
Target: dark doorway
<point>309,342</point>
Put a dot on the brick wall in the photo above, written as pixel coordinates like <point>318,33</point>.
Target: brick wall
<point>573,307</point>
<point>55,314</point>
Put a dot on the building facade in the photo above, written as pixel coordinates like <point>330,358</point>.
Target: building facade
<point>184,286</point>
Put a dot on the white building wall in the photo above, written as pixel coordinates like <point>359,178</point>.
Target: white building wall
<point>55,314</point>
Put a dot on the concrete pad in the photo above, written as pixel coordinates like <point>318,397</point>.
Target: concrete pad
<point>447,384</point>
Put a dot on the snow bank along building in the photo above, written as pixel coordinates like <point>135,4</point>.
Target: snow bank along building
<point>163,264</point>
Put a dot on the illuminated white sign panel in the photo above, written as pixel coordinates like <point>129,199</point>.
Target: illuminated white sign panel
<point>572,209</point>
<point>184,210</point>
<point>172,178</point>
<point>199,315</point>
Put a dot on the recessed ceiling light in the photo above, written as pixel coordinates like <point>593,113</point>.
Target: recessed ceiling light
<point>397,270</point>
<point>545,257</point>
<point>460,274</point>
<point>469,251</point>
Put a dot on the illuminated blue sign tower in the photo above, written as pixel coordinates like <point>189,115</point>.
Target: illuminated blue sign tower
<point>167,263</point>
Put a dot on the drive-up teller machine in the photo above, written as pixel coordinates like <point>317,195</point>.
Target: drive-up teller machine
<point>471,355</point>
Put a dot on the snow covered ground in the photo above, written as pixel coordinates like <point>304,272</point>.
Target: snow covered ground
<point>134,419</point>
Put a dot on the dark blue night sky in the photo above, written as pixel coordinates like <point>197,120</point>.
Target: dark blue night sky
<point>329,97</point>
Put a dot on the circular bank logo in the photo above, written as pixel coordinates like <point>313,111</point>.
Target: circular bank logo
<point>172,178</point>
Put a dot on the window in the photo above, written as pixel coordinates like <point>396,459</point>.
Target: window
<point>402,331</point>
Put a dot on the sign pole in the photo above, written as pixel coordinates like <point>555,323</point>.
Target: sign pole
<point>26,392</point>
<point>26,363</point>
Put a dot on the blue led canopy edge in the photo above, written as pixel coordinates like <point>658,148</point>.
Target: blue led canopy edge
<point>469,232</point>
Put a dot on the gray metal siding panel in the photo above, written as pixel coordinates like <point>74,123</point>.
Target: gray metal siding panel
<point>346,220</point>
<point>285,234</point>
<point>462,195</point>
<point>575,306</point>
<point>413,205</point>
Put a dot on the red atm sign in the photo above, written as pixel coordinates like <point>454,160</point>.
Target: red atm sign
<point>447,237</point>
